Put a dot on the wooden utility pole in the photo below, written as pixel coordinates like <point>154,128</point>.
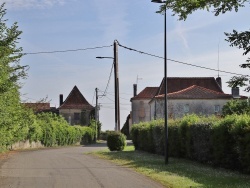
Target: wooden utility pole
<point>117,100</point>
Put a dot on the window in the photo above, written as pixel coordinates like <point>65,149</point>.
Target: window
<point>216,108</point>
<point>77,116</point>
<point>186,108</point>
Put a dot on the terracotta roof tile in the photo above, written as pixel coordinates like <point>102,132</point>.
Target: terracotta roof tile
<point>147,93</point>
<point>196,92</point>
<point>76,100</point>
<point>38,107</point>
<point>175,84</point>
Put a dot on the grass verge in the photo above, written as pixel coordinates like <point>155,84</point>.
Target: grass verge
<point>179,173</point>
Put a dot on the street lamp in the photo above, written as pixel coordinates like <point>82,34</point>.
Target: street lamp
<point>117,102</point>
<point>165,81</point>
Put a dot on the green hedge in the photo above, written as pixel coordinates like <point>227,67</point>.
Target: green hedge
<point>49,128</point>
<point>220,142</point>
<point>55,131</point>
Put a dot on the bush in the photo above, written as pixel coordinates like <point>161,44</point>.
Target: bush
<point>116,141</point>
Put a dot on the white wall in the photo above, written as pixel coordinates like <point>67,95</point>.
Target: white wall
<point>180,107</point>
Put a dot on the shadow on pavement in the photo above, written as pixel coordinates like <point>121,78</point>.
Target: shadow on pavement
<point>103,143</point>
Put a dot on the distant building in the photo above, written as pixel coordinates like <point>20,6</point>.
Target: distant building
<point>140,105</point>
<point>186,95</point>
<point>76,109</point>
<point>40,107</point>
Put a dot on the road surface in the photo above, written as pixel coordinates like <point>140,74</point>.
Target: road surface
<point>67,167</point>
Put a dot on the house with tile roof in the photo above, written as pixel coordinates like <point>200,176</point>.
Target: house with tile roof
<point>198,95</point>
<point>76,109</point>
<point>186,95</point>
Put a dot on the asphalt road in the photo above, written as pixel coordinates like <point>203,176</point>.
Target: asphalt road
<point>67,167</point>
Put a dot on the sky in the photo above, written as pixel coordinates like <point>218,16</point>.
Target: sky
<point>59,25</point>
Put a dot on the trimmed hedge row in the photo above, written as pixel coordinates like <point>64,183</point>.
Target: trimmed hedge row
<point>53,130</point>
<point>50,129</point>
<point>220,142</point>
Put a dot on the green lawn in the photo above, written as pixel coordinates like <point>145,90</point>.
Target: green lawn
<point>178,173</point>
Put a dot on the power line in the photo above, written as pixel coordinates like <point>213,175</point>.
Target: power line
<point>63,51</point>
<point>93,98</point>
<point>180,62</point>
<point>138,51</point>
<point>106,89</point>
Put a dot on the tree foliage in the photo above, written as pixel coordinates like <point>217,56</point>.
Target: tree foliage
<point>14,119</point>
<point>10,69</point>
<point>183,8</point>
<point>236,107</point>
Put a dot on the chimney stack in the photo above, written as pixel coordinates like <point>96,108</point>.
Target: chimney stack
<point>236,92</point>
<point>60,99</point>
<point>218,80</point>
<point>135,89</point>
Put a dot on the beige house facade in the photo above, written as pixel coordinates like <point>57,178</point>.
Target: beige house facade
<point>76,109</point>
<point>140,111</point>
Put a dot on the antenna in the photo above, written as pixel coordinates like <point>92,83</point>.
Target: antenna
<point>137,78</point>
<point>218,62</point>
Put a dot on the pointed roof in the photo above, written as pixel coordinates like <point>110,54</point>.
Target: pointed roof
<point>75,100</point>
<point>147,93</point>
<point>196,92</point>
<point>175,84</point>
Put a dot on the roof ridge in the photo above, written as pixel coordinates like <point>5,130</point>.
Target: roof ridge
<point>75,90</point>
<point>202,88</point>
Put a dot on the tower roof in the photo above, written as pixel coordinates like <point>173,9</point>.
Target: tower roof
<point>75,100</point>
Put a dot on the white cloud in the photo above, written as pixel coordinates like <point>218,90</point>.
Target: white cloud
<point>182,34</point>
<point>28,4</point>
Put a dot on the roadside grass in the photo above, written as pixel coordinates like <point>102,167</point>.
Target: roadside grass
<point>179,173</point>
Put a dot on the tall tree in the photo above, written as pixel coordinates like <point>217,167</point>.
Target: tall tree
<point>183,8</point>
<point>10,69</point>
<point>13,118</point>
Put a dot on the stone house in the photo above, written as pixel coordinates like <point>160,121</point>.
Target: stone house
<point>140,105</point>
<point>186,95</point>
<point>76,109</point>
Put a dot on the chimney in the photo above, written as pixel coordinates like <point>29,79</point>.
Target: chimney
<point>236,92</point>
<point>218,80</point>
<point>60,99</point>
<point>135,89</point>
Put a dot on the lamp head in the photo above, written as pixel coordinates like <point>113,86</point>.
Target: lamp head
<point>158,1</point>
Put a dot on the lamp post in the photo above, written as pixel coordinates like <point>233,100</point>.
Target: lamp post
<point>117,101</point>
<point>165,81</point>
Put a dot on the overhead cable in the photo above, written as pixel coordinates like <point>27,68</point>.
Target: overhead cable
<point>63,51</point>
<point>180,62</point>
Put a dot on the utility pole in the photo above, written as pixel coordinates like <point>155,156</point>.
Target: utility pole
<point>96,113</point>
<point>117,99</point>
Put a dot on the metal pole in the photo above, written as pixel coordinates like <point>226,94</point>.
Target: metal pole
<point>96,111</point>
<point>165,84</point>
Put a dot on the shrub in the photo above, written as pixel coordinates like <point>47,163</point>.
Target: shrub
<point>116,141</point>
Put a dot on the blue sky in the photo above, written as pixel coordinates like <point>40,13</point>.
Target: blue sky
<point>51,25</point>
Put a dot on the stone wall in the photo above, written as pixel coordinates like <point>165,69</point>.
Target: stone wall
<point>26,145</point>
